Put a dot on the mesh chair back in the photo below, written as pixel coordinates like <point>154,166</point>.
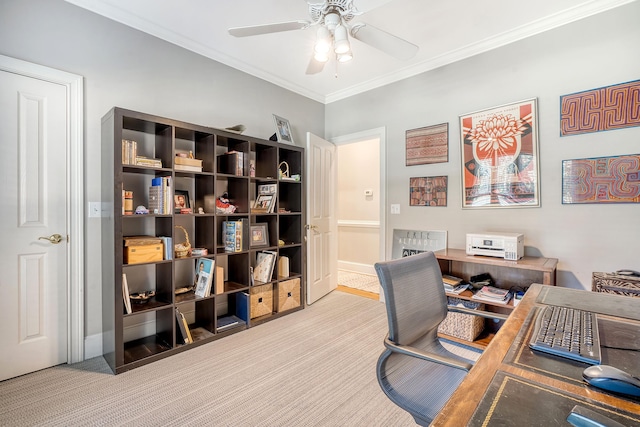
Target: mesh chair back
<point>415,298</point>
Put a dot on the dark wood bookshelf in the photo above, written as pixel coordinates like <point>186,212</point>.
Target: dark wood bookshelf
<point>150,332</point>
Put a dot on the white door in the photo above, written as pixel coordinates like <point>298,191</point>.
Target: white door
<point>33,283</point>
<point>322,235</point>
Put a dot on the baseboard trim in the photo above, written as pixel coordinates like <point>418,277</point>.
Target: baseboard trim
<point>356,267</point>
<point>92,346</point>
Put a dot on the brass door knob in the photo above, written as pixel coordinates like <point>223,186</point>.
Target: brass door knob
<point>54,238</point>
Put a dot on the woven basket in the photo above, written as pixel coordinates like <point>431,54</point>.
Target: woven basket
<point>183,249</point>
<point>283,173</point>
<point>463,326</point>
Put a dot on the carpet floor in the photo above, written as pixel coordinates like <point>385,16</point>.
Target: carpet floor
<point>315,367</point>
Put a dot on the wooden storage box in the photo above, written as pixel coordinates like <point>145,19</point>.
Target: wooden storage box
<point>143,253</point>
<point>464,326</point>
<point>288,294</point>
<point>261,300</point>
<point>185,161</point>
<point>616,284</point>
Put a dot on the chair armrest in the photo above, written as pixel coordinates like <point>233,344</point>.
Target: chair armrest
<point>436,358</point>
<point>481,313</point>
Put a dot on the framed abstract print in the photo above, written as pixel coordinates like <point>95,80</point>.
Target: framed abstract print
<point>428,191</point>
<point>614,179</point>
<point>500,157</point>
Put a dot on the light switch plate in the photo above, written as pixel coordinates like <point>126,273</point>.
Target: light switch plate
<point>395,209</point>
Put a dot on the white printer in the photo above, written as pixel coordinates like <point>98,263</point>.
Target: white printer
<point>502,245</point>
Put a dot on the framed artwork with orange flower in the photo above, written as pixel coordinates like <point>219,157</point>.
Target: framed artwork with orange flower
<point>500,156</point>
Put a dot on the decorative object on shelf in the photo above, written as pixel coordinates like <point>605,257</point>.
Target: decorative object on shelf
<point>181,201</point>
<point>283,130</point>
<point>252,168</point>
<point>183,249</point>
<point>141,210</point>
<point>500,156</point>
<point>128,202</point>
<point>283,170</point>
<point>596,110</point>
<point>601,180</point>
<point>183,327</point>
<point>266,200</point>
<point>199,252</point>
<point>281,242</point>
<point>141,297</point>
<point>184,290</point>
<point>200,210</point>
<point>428,191</point>
<point>142,249</point>
<point>204,277</point>
<point>259,235</point>
<point>427,145</point>
<point>236,129</point>
<point>265,262</point>
<point>223,205</point>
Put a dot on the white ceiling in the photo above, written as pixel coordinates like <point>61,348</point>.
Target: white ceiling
<point>445,31</point>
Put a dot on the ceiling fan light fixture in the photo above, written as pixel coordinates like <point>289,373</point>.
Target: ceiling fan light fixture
<point>345,57</point>
<point>341,40</point>
<point>323,40</point>
<point>321,56</point>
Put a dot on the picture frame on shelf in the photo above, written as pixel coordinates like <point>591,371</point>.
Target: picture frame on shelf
<point>204,277</point>
<point>503,171</point>
<point>259,235</point>
<point>264,203</point>
<point>283,130</point>
<point>181,201</point>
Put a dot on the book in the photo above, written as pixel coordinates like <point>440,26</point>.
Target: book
<point>227,322</point>
<point>204,277</point>
<point>493,295</point>
<point>265,262</point>
<point>125,294</point>
<point>231,163</point>
<point>183,326</point>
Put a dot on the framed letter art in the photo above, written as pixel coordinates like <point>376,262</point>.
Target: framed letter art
<point>500,157</point>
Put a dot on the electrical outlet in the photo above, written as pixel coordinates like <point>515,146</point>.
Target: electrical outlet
<point>395,209</point>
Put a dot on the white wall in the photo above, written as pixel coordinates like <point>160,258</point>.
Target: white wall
<point>358,214</point>
<point>126,68</point>
<point>591,53</point>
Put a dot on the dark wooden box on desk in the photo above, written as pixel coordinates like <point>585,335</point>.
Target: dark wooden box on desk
<point>616,284</point>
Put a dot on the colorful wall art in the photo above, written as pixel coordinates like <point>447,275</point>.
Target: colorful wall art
<point>428,145</point>
<point>601,180</point>
<point>606,108</point>
<point>428,191</point>
<point>500,156</point>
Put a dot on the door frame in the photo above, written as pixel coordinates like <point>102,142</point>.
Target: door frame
<point>380,134</point>
<point>73,85</point>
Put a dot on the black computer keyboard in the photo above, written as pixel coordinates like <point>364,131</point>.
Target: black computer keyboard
<point>567,332</point>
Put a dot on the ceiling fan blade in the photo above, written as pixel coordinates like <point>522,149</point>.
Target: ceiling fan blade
<point>314,66</point>
<point>388,43</point>
<point>256,30</point>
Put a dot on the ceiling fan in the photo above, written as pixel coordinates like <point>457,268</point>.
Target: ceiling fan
<point>333,19</point>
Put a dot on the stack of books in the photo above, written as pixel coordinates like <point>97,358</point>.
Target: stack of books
<point>493,295</point>
<point>160,196</point>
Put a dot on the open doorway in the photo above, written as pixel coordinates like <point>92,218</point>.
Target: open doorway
<point>360,210</point>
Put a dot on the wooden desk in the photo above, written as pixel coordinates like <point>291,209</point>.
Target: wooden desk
<point>508,360</point>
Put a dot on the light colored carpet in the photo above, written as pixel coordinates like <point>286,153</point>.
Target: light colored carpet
<point>315,367</point>
<point>364,282</point>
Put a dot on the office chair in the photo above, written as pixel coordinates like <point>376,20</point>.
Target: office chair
<point>415,371</point>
